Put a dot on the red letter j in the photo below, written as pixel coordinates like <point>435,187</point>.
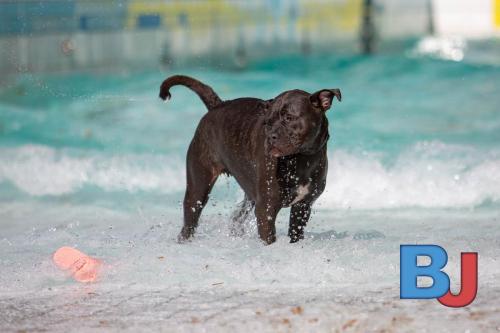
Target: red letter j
<point>468,289</point>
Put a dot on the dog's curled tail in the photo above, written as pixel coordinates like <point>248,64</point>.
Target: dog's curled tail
<point>207,95</point>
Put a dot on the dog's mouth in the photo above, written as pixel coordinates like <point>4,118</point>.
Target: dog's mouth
<point>282,151</point>
<point>276,152</point>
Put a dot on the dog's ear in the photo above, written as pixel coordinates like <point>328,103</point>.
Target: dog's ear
<point>323,98</point>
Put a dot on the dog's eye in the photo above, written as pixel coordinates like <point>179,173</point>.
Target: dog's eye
<point>288,118</point>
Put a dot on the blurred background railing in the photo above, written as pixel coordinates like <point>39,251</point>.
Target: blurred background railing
<point>57,35</point>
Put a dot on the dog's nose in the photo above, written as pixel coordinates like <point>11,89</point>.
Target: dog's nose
<point>274,137</point>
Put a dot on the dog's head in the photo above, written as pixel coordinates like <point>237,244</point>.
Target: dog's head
<point>296,123</point>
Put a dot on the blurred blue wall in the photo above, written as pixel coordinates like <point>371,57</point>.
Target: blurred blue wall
<point>40,17</point>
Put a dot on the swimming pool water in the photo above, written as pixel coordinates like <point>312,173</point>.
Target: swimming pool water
<point>410,132</point>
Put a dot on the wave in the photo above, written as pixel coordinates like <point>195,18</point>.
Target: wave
<point>428,175</point>
<point>40,170</point>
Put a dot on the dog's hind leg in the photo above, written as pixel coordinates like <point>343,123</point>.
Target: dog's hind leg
<point>201,176</point>
<point>240,215</point>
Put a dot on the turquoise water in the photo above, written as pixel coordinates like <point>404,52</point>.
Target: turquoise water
<point>411,131</point>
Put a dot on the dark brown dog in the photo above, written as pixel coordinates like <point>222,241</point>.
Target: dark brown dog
<point>276,150</point>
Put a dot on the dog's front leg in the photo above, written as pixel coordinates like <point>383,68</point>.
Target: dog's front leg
<point>266,216</point>
<point>299,215</point>
<point>268,201</point>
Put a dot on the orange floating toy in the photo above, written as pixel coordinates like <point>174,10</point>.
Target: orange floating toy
<point>82,267</point>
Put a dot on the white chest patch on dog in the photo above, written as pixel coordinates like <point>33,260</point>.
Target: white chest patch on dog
<point>302,191</point>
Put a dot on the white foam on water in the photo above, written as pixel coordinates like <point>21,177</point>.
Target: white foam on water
<point>427,175</point>
<point>150,282</point>
<point>39,170</point>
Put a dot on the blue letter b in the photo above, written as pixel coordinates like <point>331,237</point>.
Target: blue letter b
<point>409,271</point>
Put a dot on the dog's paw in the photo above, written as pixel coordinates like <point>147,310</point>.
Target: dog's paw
<point>269,239</point>
<point>185,235</point>
<point>294,238</point>
<point>181,239</point>
<point>296,234</point>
